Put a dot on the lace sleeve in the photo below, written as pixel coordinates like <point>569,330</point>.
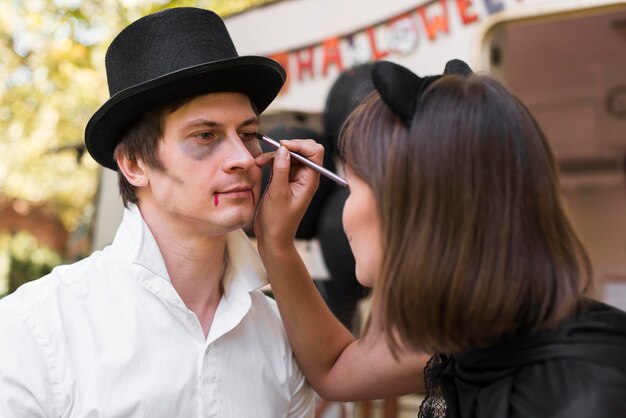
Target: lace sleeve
<point>434,404</point>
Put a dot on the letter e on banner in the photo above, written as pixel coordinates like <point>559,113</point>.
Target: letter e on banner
<point>467,16</point>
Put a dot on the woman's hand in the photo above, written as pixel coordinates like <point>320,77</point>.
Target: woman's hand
<point>288,194</point>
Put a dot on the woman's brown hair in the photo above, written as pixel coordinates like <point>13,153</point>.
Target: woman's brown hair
<point>476,243</point>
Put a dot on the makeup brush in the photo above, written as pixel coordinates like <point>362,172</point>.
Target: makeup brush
<point>323,171</point>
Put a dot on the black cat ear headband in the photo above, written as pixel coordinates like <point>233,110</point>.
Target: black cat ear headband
<point>401,89</point>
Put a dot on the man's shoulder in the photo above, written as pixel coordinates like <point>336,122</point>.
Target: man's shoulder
<point>49,288</point>
<point>264,312</point>
<point>262,301</point>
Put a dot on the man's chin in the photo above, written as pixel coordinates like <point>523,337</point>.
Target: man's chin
<point>244,222</point>
<point>248,228</point>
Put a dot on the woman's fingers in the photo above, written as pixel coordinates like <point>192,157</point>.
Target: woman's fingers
<point>265,158</point>
<point>307,148</point>
<point>279,184</point>
<point>289,191</point>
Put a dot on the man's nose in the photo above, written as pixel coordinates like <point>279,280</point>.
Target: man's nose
<point>238,156</point>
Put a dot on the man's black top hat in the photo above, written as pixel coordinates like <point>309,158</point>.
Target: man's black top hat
<point>170,55</point>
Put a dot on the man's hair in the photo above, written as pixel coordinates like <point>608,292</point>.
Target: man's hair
<point>476,245</point>
<point>141,140</point>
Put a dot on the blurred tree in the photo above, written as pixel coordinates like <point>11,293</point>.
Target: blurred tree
<point>52,79</point>
<point>23,260</point>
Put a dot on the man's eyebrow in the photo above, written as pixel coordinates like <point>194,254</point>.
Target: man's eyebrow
<point>202,123</point>
<point>213,124</point>
<point>252,121</point>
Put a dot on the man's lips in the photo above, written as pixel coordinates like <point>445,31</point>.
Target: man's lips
<point>239,192</point>
<point>235,192</point>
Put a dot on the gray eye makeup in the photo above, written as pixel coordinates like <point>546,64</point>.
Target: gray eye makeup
<point>252,143</point>
<point>205,143</point>
<point>202,145</point>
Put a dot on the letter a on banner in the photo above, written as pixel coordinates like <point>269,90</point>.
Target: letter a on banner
<point>332,55</point>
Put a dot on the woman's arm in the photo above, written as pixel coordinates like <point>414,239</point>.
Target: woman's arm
<point>337,366</point>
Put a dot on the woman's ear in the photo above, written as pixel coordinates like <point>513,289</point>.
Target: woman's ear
<point>133,170</point>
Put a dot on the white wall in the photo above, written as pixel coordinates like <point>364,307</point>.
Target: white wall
<point>599,217</point>
<point>109,210</point>
<point>294,24</point>
<point>563,69</point>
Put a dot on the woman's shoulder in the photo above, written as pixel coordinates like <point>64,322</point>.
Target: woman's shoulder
<point>568,388</point>
<point>599,312</point>
<point>578,370</point>
<point>575,370</point>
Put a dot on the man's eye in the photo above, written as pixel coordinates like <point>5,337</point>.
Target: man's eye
<point>205,136</point>
<point>248,136</point>
<point>251,142</point>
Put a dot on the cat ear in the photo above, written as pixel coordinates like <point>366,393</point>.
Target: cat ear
<point>457,67</point>
<point>399,88</point>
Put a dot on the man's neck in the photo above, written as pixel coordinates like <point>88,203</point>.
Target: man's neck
<point>195,265</point>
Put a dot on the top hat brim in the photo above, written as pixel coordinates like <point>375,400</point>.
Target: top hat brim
<point>259,77</point>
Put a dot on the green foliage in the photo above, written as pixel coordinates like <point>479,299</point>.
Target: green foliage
<point>52,79</point>
<point>22,259</point>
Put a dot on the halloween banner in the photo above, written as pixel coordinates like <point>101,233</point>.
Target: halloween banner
<point>400,34</point>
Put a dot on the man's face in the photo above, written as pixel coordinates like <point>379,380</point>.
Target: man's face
<point>211,183</point>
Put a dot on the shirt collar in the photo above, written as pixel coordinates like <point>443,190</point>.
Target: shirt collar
<point>135,241</point>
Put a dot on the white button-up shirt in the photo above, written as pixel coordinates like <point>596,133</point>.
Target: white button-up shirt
<point>109,337</point>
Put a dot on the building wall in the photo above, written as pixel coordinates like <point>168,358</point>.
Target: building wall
<point>18,216</point>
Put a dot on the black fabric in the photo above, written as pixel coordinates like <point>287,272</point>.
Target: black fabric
<point>165,56</point>
<point>343,290</point>
<point>402,90</point>
<point>457,67</point>
<point>576,371</point>
<point>346,93</point>
<point>307,228</point>
<point>399,87</point>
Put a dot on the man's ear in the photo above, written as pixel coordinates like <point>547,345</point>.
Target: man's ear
<point>133,169</point>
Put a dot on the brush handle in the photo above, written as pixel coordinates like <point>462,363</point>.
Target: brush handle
<point>323,171</point>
